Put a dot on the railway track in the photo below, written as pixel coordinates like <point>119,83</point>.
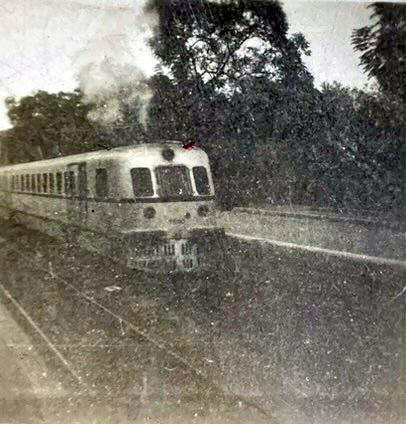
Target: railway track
<point>54,349</point>
<point>109,302</point>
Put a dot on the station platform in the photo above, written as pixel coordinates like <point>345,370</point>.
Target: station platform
<point>26,385</point>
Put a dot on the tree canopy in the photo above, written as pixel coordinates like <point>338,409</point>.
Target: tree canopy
<point>222,42</point>
<point>383,46</point>
<point>48,125</point>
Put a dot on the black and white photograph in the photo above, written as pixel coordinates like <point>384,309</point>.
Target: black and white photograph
<point>202,212</point>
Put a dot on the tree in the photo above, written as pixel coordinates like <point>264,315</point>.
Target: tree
<point>49,125</point>
<point>221,42</point>
<point>381,141</point>
<point>357,162</point>
<point>179,111</point>
<point>383,47</point>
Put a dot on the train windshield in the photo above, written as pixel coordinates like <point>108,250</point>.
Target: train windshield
<point>174,182</point>
<point>201,180</point>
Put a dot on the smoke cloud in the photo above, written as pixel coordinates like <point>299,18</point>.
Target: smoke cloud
<point>115,64</point>
<point>112,88</point>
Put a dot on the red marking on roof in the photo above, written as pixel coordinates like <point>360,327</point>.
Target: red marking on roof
<point>190,145</point>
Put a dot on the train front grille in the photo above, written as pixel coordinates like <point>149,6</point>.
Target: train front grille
<point>169,255</point>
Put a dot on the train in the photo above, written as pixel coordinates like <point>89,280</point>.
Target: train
<point>150,206</point>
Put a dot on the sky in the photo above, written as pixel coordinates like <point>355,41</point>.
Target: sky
<point>328,26</point>
<point>45,44</point>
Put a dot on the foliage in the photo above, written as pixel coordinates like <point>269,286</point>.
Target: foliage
<point>219,43</point>
<point>363,150</point>
<point>383,47</point>
<point>381,140</point>
<point>380,114</point>
<point>48,125</point>
<point>178,111</point>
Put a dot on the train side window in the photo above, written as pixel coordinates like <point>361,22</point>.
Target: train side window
<point>66,182</point>
<point>51,183</point>
<point>72,182</point>
<point>44,183</point>
<point>102,188</point>
<point>201,180</point>
<point>13,182</point>
<point>59,182</point>
<point>142,182</point>
<point>39,183</point>
<point>33,185</point>
<point>27,182</point>
<point>22,182</point>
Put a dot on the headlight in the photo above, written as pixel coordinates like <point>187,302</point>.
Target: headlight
<point>203,210</point>
<point>149,213</point>
<point>168,154</point>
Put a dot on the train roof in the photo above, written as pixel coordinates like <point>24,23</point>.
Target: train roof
<point>105,154</point>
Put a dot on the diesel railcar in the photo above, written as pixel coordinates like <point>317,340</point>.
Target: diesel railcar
<point>150,206</point>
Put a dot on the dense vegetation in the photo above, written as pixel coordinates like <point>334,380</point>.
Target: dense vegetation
<point>232,78</point>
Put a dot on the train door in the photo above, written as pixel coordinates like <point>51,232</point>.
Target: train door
<point>76,194</point>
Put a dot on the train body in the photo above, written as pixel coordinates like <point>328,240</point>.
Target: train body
<point>150,206</point>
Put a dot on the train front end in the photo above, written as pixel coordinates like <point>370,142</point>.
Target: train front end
<point>172,224</point>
